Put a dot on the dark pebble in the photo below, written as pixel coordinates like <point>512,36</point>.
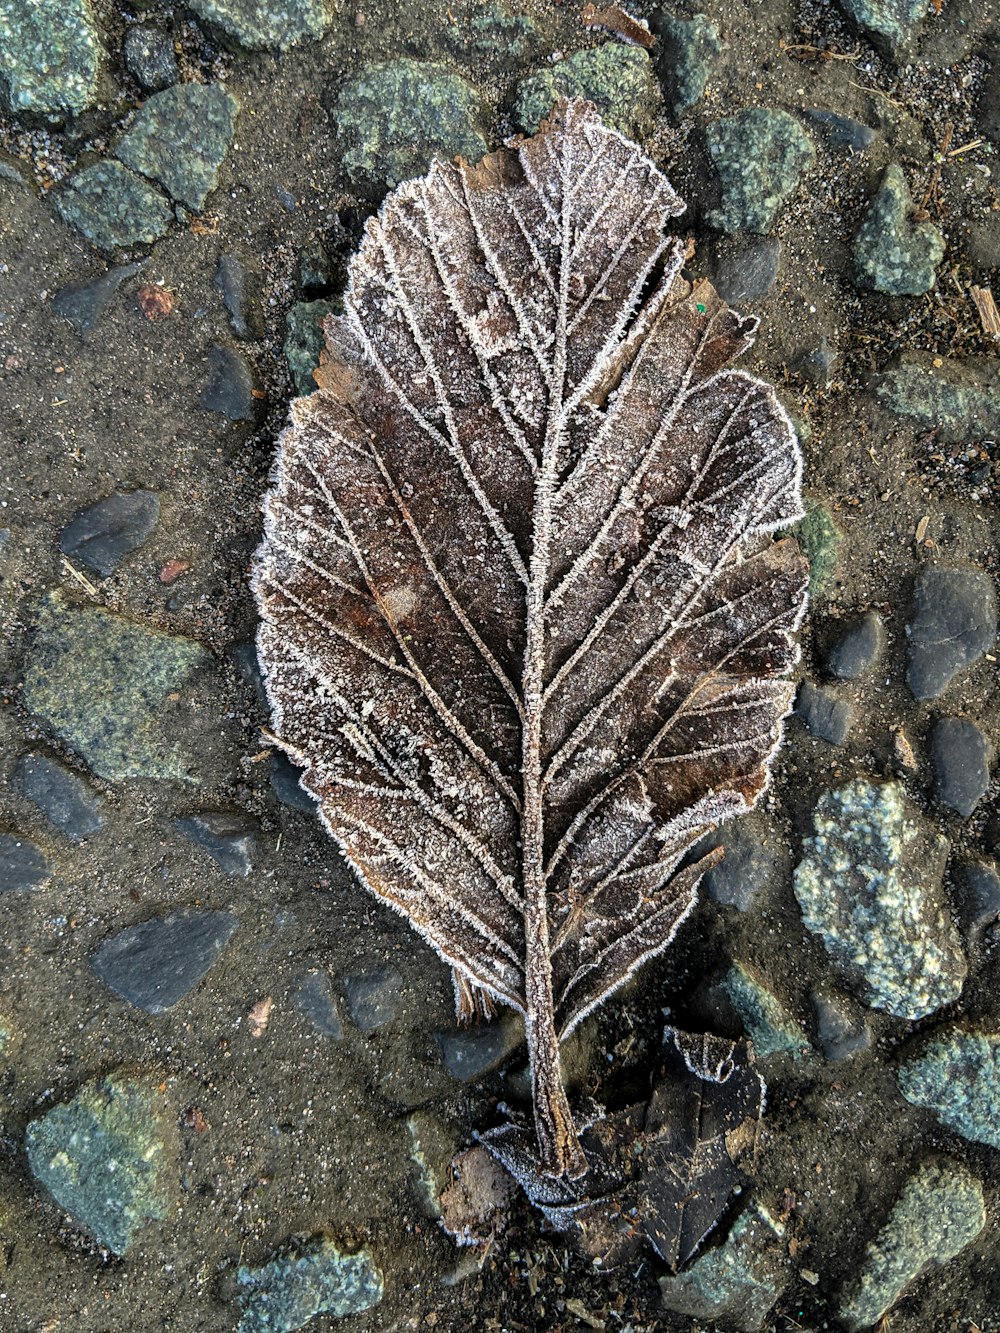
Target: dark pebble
<point>315,998</point>
<point>149,57</point>
<point>286,786</point>
<point>954,622</point>
<point>816,363</point>
<point>83,303</point>
<point>858,649</point>
<point>101,535</point>
<point>228,838</point>
<point>827,716</point>
<point>744,271</point>
<point>247,663</point>
<point>64,798</point>
<point>230,385</point>
<point>744,871</point>
<point>22,864</point>
<point>155,964</point>
<point>840,1029</point>
<point>240,297</point>
<point>843,132</point>
<point>472,1052</point>
<point>977,897</point>
<point>373,996</point>
<point>960,755</point>
<point>315,270</point>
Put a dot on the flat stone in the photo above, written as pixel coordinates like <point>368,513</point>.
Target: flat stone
<point>820,540</point>
<point>960,756</point>
<point>83,303</point>
<point>155,964</point>
<point>180,138</point>
<point>113,207</point>
<point>373,995</point>
<point>107,1157</point>
<point>843,132</point>
<point>957,1076</point>
<point>229,389</point>
<point>103,534</point>
<point>824,712</point>
<point>840,1029</point>
<point>958,400</point>
<point>747,869</point>
<point>305,340</point>
<point>287,786</point>
<point>859,648</point>
<point>50,56</point>
<point>229,839</point>
<point>765,1020</point>
<point>954,621</point>
<point>240,296</point>
<point>619,80</point>
<point>314,996</point>
<point>23,865</point>
<point>305,1279</point>
<point>977,897</point>
<point>469,1053</point>
<point>149,57</point>
<point>689,50</point>
<point>395,117</point>
<point>278,24</point>
<point>939,1211</point>
<point>744,271</point>
<point>761,156</point>
<point>889,24</point>
<point>497,34</point>
<point>870,885</point>
<point>893,253</point>
<point>100,682</point>
<point>64,798</point>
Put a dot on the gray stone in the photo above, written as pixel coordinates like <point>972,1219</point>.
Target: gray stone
<point>107,1156</point>
<point>761,156</point>
<point>824,712</point>
<point>305,341</point>
<point>958,400</point>
<point>893,253</point>
<point>278,24</point>
<point>689,50</point>
<point>765,1020</point>
<point>618,79</point>
<point>64,798</point>
<point>287,786</point>
<point>469,1053</point>
<point>180,138</point>
<point>103,534</point>
<point>113,206</point>
<point>869,884</point>
<point>22,864</point>
<point>843,132</point>
<point>740,1280</point>
<point>149,57</point>
<point>305,1279</point>
<point>393,118</point>
<point>939,1211</point>
<point>748,867</point>
<point>889,24</point>
<point>83,303</point>
<point>242,304</point>
<point>229,839</point>
<point>155,964</point>
<point>960,756</point>
<point>816,361</point>
<point>840,1029</point>
<point>373,995</point>
<point>744,271</point>
<point>954,622</point>
<point>229,389</point>
<point>858,649</point>
<point>100,682</point>
<point>977,897</point>
<point>314,996</point>
<point>957,1076</point>
<point>50,56</point>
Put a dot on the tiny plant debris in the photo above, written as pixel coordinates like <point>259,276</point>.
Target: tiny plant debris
<point>524,621</point>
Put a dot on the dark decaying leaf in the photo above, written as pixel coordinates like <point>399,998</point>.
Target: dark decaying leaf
<point>524,622</point>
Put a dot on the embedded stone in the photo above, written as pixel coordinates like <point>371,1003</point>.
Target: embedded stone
<point>892,252</point>
<point>113,206</point>
<point>954,622</point>
<point>180,138</point>
<point>155,964</point>
<point>761,156</point>
<point>103,534</point>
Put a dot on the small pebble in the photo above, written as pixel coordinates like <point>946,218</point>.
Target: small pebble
<point>314,996</point>
<point>858,649</point>
<point>977,897</point>
<point>66,800</point>
<point>101,535</point>
<point>234,281</point>
<point>229,389</point>
<point>150,58</point>
<point>960,755</point>
<point>469,1053</point>
<point>827,716</point>
<point>23,865</point>
<point>373,996</point>
<point>229,839</point>
<point>744,271</point>
<point>153,965</point>
<point>840,1028</point>
<point>954,621</point>
<point>83,303</point>
<point>286,785</point>
<point>843,132</point>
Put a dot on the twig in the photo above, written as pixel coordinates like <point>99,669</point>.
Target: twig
<point>84,583</point>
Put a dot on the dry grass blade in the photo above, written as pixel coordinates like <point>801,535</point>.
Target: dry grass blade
<point>524,621</point>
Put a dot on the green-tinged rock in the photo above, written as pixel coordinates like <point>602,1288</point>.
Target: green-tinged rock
<point>957,1076</point>
<point>765,1020</point>
<point>618,79</point>
<point>306,1280</point>
<point>100,682</point>
<point>107,1156</point>
<point>113,206</point>
<point>497,33</point>
<point>739,1281</point>
<point>278,24</point>
<point>888,23</point>
<point>433,1144</point>
<point>892,252</point>
<point>960,400</point>
<point>50,55</point>
<point>869,884</point>
<point>938,1213</point>
<point>305,341</point>
<point>393,118</point>
<point>761,156</point>
<point>689,49</point>
<point>180,138</point>
<point>820,539</point>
